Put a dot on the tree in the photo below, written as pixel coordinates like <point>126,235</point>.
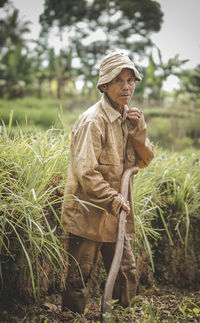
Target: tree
<point>3,2</point>
<point>122,18</point>
<point>190,84</point>
<point>60,68</point>
<point>15,65</point>
<point>15,71</point>
<point>12,28</point>
<point>157,73</point>
<point>95,27</point>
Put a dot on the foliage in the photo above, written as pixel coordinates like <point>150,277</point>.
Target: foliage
<point>134,15</point>
<point>15,72</point>
<point>12,28</point>
<point>45,70</point>
<point>33,113</point>
<point>15,64</point>
<point>156,308</point>
<point>172,129</point>
<point>3,2</point>
<point>60,68</point>
<point>168,187</point>
<point>116,22</point>
<point>30,167</point>
<point>157,73</point>
<point>190,83</point>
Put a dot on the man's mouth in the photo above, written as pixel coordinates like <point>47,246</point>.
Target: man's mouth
<point>124,95</point>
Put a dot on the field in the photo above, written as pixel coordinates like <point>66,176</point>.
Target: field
<point>174,127</point>
<point>34,150</point>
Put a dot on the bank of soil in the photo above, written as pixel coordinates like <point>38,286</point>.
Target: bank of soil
<point>158,304</point>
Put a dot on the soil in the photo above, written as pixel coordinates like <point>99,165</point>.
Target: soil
<point>157,304</point>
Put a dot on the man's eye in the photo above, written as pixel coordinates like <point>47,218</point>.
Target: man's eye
<point>118,80</point>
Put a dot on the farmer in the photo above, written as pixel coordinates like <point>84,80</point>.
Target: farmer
<point>106,139</point>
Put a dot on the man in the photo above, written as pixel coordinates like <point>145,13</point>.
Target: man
<point>106,139</point>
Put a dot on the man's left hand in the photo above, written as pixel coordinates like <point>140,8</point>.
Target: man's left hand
<point>134,114</point>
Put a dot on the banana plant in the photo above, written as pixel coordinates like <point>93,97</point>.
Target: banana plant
<point>157,73</point>
<point>60,68</point>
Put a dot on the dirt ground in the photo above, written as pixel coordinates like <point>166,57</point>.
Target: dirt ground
<point>158,304</point>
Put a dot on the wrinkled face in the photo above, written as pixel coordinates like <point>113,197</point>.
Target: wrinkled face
<point>121,88</point>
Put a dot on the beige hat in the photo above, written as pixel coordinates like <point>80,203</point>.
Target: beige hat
<point>112,65</point>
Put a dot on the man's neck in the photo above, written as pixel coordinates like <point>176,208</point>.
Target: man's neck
<point>120,109</point>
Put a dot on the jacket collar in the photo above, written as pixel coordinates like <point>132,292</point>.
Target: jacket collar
<point>111,112</point>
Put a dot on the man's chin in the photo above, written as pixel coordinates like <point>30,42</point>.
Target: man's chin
<point>125,100</point>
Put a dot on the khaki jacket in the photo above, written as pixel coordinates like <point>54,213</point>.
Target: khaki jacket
<point>103,145</point>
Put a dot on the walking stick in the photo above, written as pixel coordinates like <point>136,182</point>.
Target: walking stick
<point>114,269</point>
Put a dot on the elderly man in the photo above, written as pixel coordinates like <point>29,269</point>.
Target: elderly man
<point>106,139</point>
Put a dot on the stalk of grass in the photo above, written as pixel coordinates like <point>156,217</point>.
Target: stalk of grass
<point>165,226</point>
<point>187,225</point>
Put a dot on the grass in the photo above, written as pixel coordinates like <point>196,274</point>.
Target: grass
<point>171,128</point>
<point>157,309</point>
<point>29,168</point>
<point>32,112</point>
<point>168,187</point>
<point>33,169</point>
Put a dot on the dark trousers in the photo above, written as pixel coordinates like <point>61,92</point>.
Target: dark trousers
<point>83,255</point>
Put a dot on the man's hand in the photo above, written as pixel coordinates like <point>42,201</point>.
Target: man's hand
<point>126,207</point>
<point>134,114</point>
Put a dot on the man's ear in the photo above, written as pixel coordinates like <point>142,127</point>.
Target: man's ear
<point>103,87</point>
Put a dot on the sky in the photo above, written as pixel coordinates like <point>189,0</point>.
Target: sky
<point>179,32</point>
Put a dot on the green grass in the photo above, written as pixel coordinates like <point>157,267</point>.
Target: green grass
<point>168,187</point>
<point>33,168</point>
<point>157,309</point>
<point>171,128</point>
<point>39,113</point>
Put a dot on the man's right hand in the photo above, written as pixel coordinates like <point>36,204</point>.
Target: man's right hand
<point>126,207</point>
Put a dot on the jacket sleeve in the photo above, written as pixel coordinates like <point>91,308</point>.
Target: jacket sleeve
<point>143,147</point>
<point>86,151</point>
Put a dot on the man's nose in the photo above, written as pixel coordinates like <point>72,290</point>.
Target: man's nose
<point>125,85</point>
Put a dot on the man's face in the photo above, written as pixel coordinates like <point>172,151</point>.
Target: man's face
<point>121,88</point>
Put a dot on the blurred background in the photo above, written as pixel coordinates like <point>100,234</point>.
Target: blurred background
<point>50,54</point>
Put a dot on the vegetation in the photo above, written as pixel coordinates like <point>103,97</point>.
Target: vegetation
<point>173,129</point>
<point>168,202</point>
<point>31,165</point>
<point>118,19</point>
<point>35,68</point>
<point>42,92</point>
<point>31,168</point>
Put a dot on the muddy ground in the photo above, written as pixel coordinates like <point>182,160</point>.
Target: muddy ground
<point>158,304</point>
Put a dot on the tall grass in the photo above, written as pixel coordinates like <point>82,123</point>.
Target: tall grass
<point>168,188</point>
<point>32,175</point>
<point>32,170</point>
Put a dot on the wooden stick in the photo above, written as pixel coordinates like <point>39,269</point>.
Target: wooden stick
<point>114,268</point>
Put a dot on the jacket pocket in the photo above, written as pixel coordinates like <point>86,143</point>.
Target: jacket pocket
<point>109,157</point>
<point>130,155</point>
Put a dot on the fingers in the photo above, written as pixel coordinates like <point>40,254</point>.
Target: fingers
<point>134,114</point>
<point>126,207</point>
